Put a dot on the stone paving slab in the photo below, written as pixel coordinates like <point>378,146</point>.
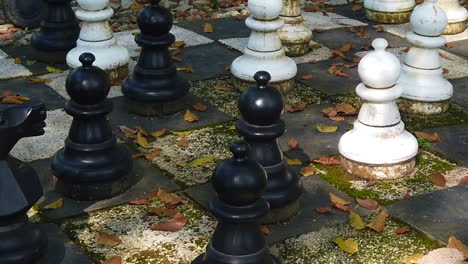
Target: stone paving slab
<point>454,143</point>
<point>401,30</point>
<point>346,11</point>
<point>9,70</point>
<point>460,89</point>
<point>439,214</point>
<point>223,28</point>
<point>460,48</point>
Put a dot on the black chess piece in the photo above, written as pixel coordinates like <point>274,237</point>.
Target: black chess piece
<point>239,183</point>
<point>91,166</point>
<point>20,188</point>
<point>58,34</point>
<point>155,88</point>
<point>261,107</point>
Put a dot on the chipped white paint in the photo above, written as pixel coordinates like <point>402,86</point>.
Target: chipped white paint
<point>379,137</point>
<point>294,35</point>
<point>264,50</point>
<point>456,15</point>
<point>421,76</point>
<point>389,6</point>
<point>9,69</point>
<point>96,36</point>
<point>322,53</point>
<point>317,20</point>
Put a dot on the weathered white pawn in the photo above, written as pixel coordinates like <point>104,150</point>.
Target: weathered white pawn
<point>378,147</point>
<point>96,37</point>
<point>294,35</point>
<point>457,16</point>
<point>425,91</point>
<point>264,51</point>
<point>389,11</point>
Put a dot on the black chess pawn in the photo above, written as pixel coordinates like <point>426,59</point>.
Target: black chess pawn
<point>239,183</point>
<point>155,88</point>
<point>91,166</point>
<point>20,241</point>
<point>58,34</point>
<point>261,107</point>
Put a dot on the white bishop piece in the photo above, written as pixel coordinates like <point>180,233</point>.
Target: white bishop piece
<point>96,37</point>
<point>389,11</point>
<point>264,51</point>
<point>379,147</point>
<point>294,35</point>
<point>425,91</point>
<point>456,14</point>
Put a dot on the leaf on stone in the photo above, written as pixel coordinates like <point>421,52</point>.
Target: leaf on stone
<point>183,142</point>
<point>182,133</point>
<point>327,161</point>
<point>312,8</point>
<point>327,129</point>
<point>295,108</point>
<point>378,222</point>
<point>380,28</point>
<point>265,230</point>
<point>139,201</point>
<point>336,118</point>
<point>55,205</point>
<point>208,28</point>
<point>412,259</point>
<point>127,130</point>
<point>294,162</point>
<point>177,52</point>
<point>361,33</point>
<point>178,44</point>
<point>445,71</point>
<point>113,260</point>
<point>328,110</point>
<point>323,210</point>
<point>107,239</point>
<point>349,245</point>
<point>343,208</point>
<point>175,224</point>
<point>402,230</point>
<point>190,116</point>
<point>200,107</point>
<point>356,221</point>
<point>222,88</point>
<point>30,62</point>
<point>307,171</point>
<point>346,109</point>
<point>453,242</point>
<point>442,55</point>
<point>7,93</point>
<point>368,204</point>
<point>293,144</point>
<point>53,70</point>
<point>435,137</point>
<point>346,47</point>
<point>162,212</point>
<point>159,133</point>
<point>337,200</point>
<point>228,68</point>
<point>170,200</point>
<point>356,7</point>
<point>152,155</point>
<point>307,77</point>
<point>142,141</point>
<point>39,80</point>
<point>438,179</point>
<point>449,45</point>
<point>12,100</point>
<point>141,130</point>
<point>18,60</point>
<point>336,54</point>
<point>201,161</point>
<point>464,180</point>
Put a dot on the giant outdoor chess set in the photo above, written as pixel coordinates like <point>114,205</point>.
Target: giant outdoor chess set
<point>186,169</point>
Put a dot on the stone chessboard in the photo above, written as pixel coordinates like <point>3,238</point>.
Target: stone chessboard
<point>431,211</point>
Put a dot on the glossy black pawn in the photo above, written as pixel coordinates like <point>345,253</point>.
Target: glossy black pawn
<point>155,88</point>
<point>239,183</point>
<point>261,107</point>
<point>91,166</point>
<point>20,241</point>
<point>58,34</point>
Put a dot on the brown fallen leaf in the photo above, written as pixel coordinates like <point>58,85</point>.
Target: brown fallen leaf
<point>265,230</point>
<point>208,28</point>
<point>336,118</point>
<point>453,242</point>
<point>183,142</point>
<point>177,59</point>
<point>152,155</point>
<point>380,28</point>
<point>6,93</point>
<point>138,155</point>
<point>449,45</point>
<point>159,133</point>
<point>18,60</point>
<point>327,161</point>
<point>200,107</point>
<point>336,54</point>
<point>445,71</point>
<point>442,55</point>
<point>293,144</point>
<point>162,212</point>
<point>307,77</point>
<point>12,100</point>
<point>178,44</point>
<point>312,8</point>
<point>378,222</point>
<point>127,130</point>
<point>402,230</point>
<point>107,239</point>
<point>346,47</point>
<point>177,52</point>
<point>222,88</point>
<point>190,116</point>
<point>356,7</point>
<point>464,180</point>
<point>295,108</point>
<point>142,141</point>
<point>407,196</point>
<point>169,199</point>
<point>113,260</point>
<point>337,200</point>
<point>139,201</point>
<point>175,224</point>
<point>343,208</point>
<point>141,130</point>
<point>368,204</point>
<point>361,33</point>
<point>307,171</point>
<point>323,210</point>
<point>39,80</point>
<point>228,68</point>
<point>438,179</point>
<point>435,137</point>
<point>346,109</point>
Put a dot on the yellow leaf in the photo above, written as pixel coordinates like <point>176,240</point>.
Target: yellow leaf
<point>202,161</point>
<point>378,222</point>
<point>327,129</point>
<point>181,164</point>
<point>453,242</point>
<point>190,116</point>
<point>54,205</point>
<point>307,171</point>
<point>413,259</point>
<point>294,161</point>
<point>349,245</point>
<point>142,141</point>
<point>159,133</point>
<point>346,47</point>
<point>356,221</point>
<point>178,44</point>
<point>182,133</point>
<point>337,200</point>
<point>233,127</point>
<point>53,70</point>
<point>208,28</point>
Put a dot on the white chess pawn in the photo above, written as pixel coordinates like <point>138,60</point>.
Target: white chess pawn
<point>389,11</point>
<point>264,51</point>
<point>378,147</point>
<point>457,16</point>
<point>425,91</point>
<point>294,35</point>
<point>96,37</point>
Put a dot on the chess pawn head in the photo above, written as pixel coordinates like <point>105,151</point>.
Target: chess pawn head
<point>380,68</point>
<point>155,20</point>
<point>93,5</point>
<point>265,9</point>
<point>261,105</point>
<point>238,180</point>
<point>428,19</point>
<point>88,85</point>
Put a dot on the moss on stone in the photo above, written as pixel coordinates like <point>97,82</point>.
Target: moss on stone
<point>455,115</point>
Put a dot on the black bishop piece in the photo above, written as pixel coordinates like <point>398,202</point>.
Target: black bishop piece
<point>261,107</point>
<point>20,188</point>
<point>58,34</point>
<point>155,88</point>
<point>91,166</point>
<point>239,183</point>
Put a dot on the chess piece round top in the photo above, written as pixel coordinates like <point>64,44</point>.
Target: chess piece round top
<point>92,5</point>
<point>238,180</point>
<point>261,104</point>
<point>88,85</point>
<point>380,68</point>
<point>265,9</point>
<point>155,20</point>
<point>428,19</point>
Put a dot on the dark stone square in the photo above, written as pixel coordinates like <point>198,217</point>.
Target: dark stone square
<point>454,143</point>
<point>460,91</point>
<point>346,10</point>
<point>223,28</point>
<point>460,48</point>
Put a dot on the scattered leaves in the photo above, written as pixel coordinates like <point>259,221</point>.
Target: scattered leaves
<point>162,212</point>
<point>190,116</point>
<point>337,200</point>
<point>323,210</point>
<point>55,205</point>
<point>307,171</point>
<point>139,201</point>
<point>159,133</point>
<point>200,107</point>
<point>438,179</point>
<point>327,161</point>
<point>356,221</point>
<point>113,260</point>
<point>435,137</point>
<point>109,240</point>
<point>327,129</point>
<point>293,144</point>
<point>402,230</point>
<point>265,230</point>
<point>368,204</point>
<point>378,222</point>
<point>343,208</point>
<point>380,28</point>
<point>142,141</point>
<point>202,161</point>
<point>175,224</point>
<point>349,245</point>
<point>346,47</point>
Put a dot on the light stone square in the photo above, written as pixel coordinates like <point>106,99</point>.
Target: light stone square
<point>3,55</point>
<point>319,54</point>
<point>9,69</point>
<point>316,20</point>
<point>457,67</point>
<point>401,30</point>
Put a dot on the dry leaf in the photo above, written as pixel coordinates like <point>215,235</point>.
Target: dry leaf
<point>307,171</point>
<point>442,55</point>
<point>183,142</point>
<point>175,224</point>
<point>139,201</point>
<point>296,108</point>
<point>464,180</point>
<point>336,118</point>
<point>152,155</point>
<point>113,260</point>
<point>307,77</point>
<point>127,130</point>
<point>39,80</point>
<point>413,259</point>
<point>343,208</point>
<point>17,60</point>
<point>55,205</point>
<point>12,100</point>
<point>438,179</point>
<point>163,212</point>
<point>293,144</point>
<point>378,222</point>
<point>346,47</point>
<point>435,137</point>
<point>327,129</point>
<point>142,141</point>
<point>169,199</point>
<point>407,196</point>
<point>380,28</point>
<point>294,161</point>
<point>402,230</point>
<point>449,45</point>
<point>356,221</point>
<point>327,161</point>
<point>356,7</point>
<point>445,71</point>
<point>177,52</point>
<point>346,109</point>
<point>265,230</point>
<point>53,70</point>
<point>368,204</point>
<point>312,8</point>
<point>159,133</point>
<point>190,116</point>
<point>337,200</point>
<point>349,245</point>
<point>453,242</point>
<point>222,88</point>
<point>323,210</point>
<point>141,130</point>
<point>178,44</point>
<point>208,28</point>
<point>108,240</point>
<point>200,107</point>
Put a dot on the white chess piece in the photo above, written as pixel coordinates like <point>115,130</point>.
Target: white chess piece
<point>96,37</point>
<point>389,11</point>
<point>294,35</point>
<point>264,51</point>
<point>425,91</point>
<point>457,16</point>
<point>379,147</point>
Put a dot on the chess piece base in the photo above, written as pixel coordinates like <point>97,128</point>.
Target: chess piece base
<point>295,36</point>
<point>389,17</point>
<point>279,215</point>
<point>157,108</point>
<point>455,28</point>
<point>423,108</point>
<point>378,172</point>
<point>284,87</point>
<point>199,260</point>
